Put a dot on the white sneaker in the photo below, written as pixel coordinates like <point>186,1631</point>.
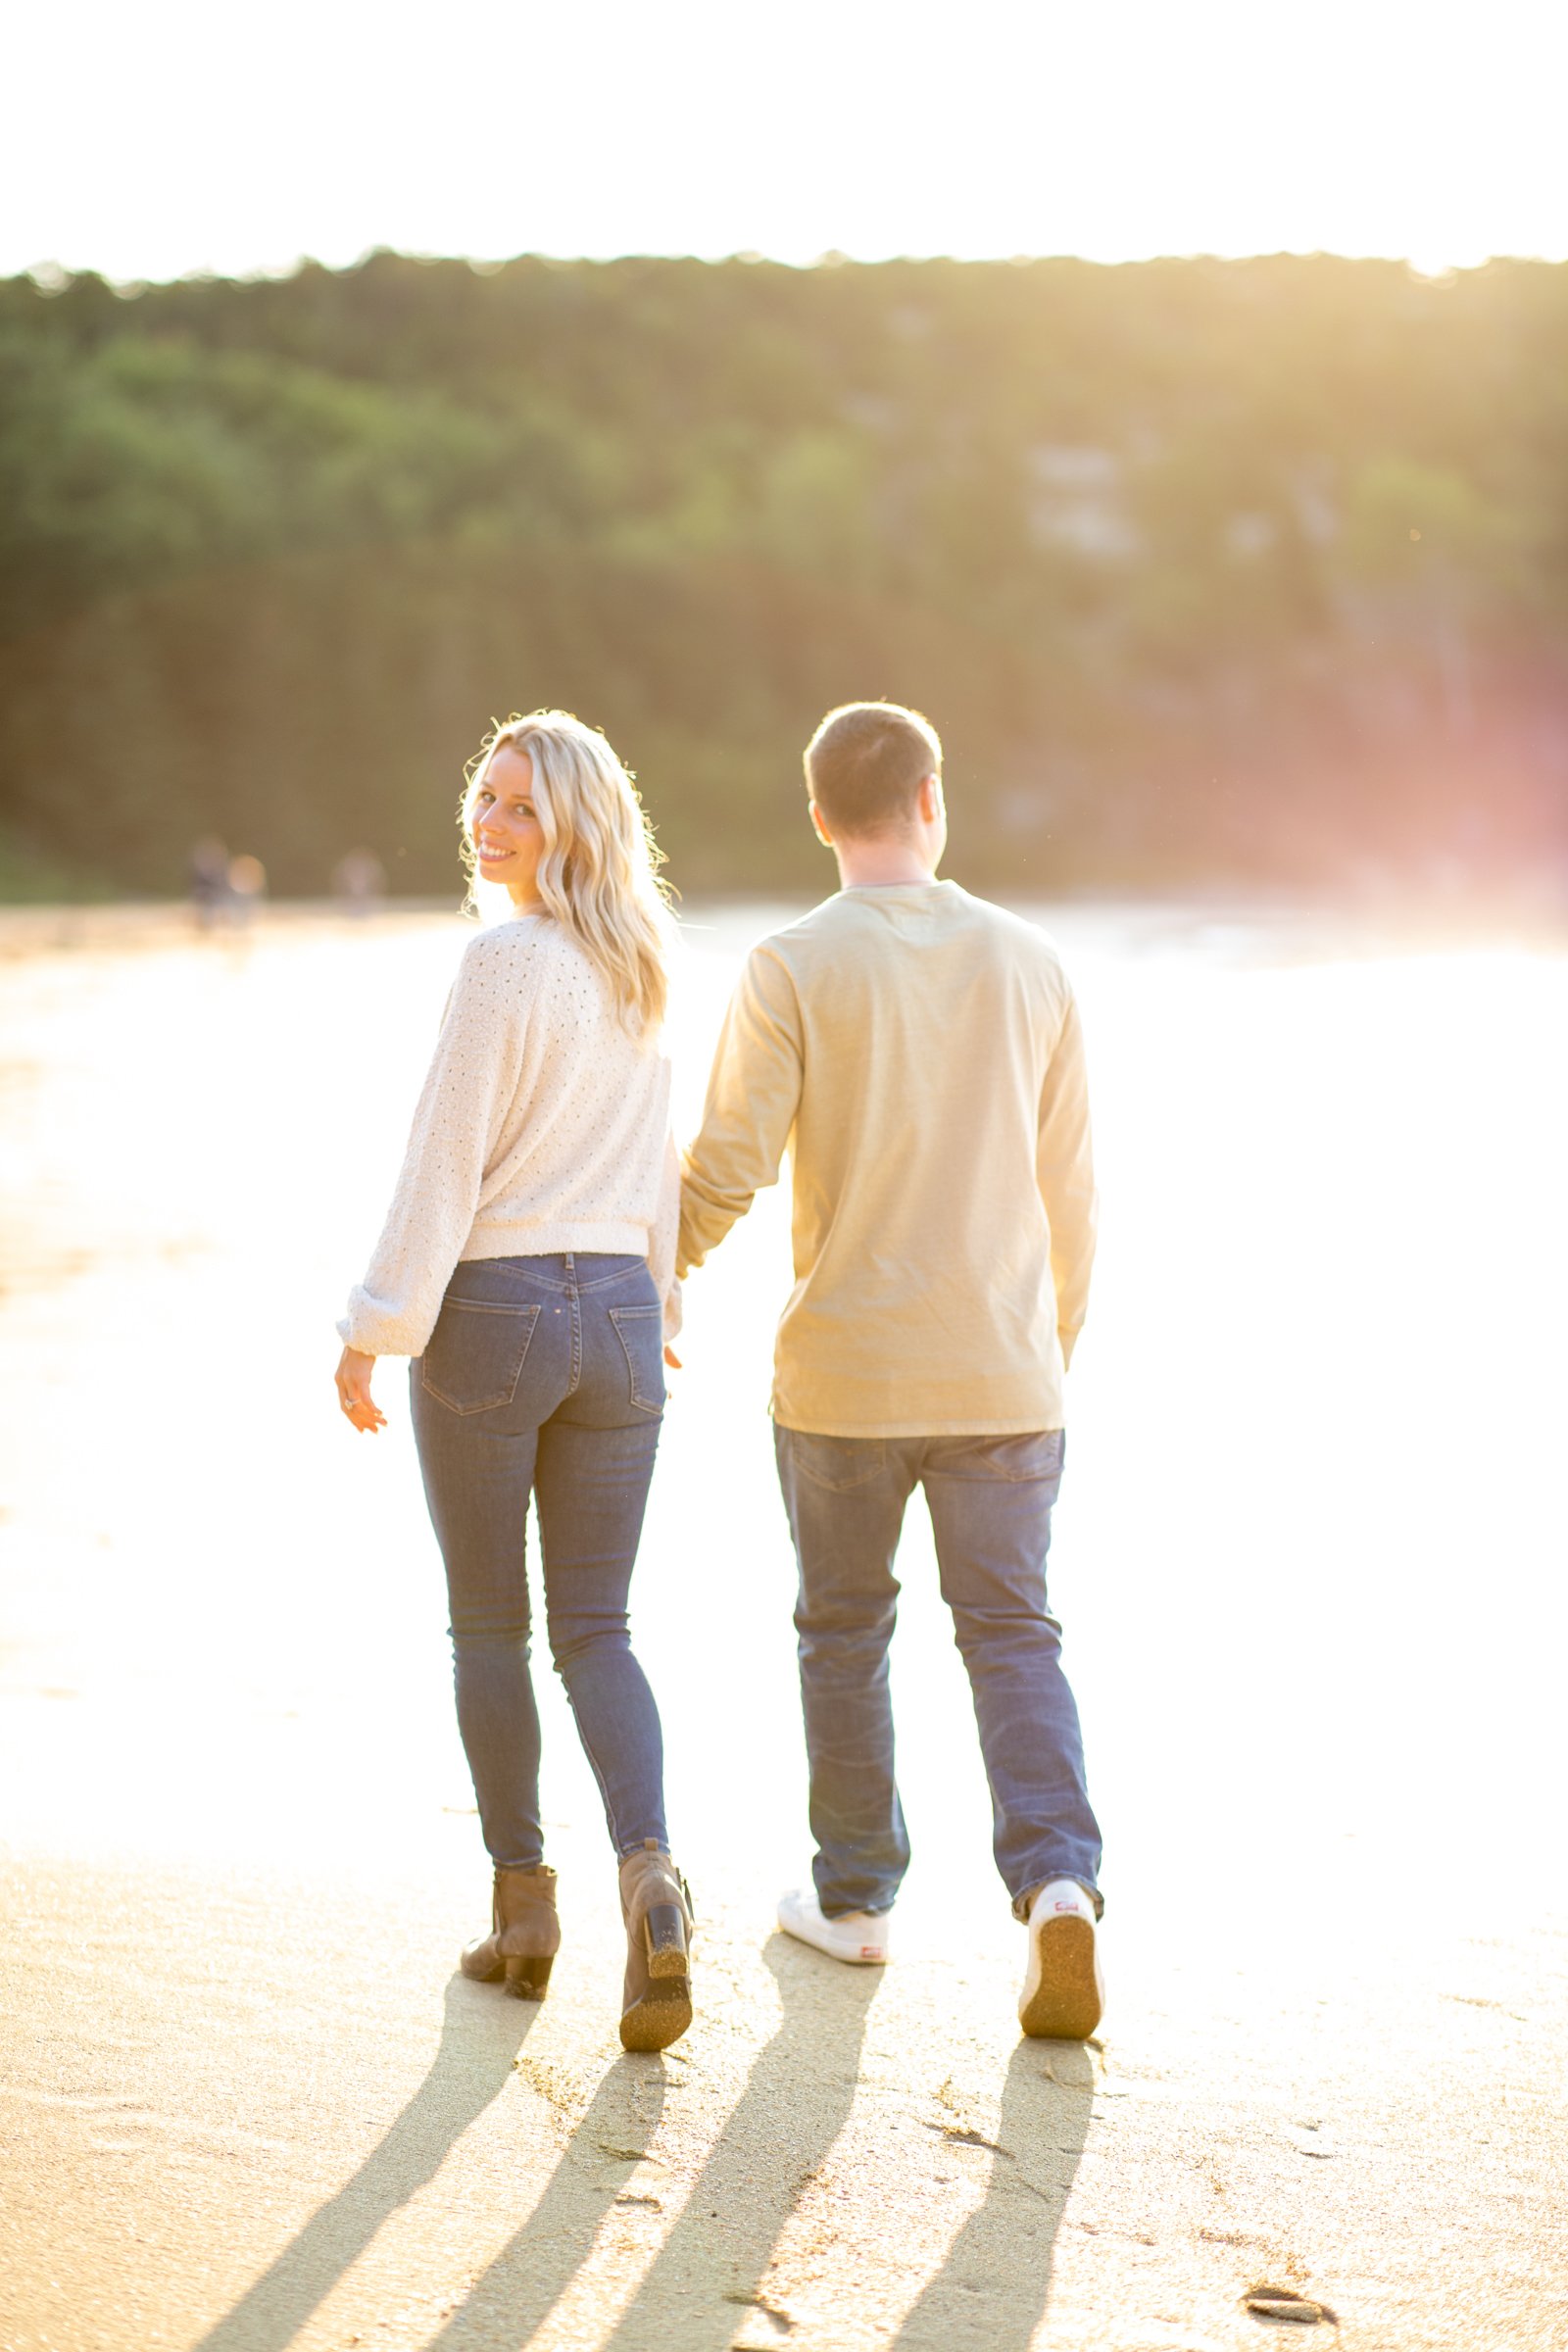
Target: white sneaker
<point>862,1937</point>
<point>1064,1992</point>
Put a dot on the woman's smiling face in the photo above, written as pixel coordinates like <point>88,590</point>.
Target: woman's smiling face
<point>507,838</point>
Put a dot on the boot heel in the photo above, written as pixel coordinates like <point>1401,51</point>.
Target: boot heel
<point>665,1934</point>
<point>527,1977</point>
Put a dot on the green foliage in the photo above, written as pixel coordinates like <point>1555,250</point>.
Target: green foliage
<point>30,875</point>
<point>1403,519</point>
<point>1205,570</point>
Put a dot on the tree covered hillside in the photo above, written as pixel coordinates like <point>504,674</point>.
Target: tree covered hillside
<point>1205,570</point>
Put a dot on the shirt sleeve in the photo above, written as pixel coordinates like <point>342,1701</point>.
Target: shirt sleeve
<point>471,1085</point>
<point>1064,1167</point>
<point>753,1096</point>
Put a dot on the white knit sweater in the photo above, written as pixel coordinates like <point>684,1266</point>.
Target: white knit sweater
<point>543,1127</point>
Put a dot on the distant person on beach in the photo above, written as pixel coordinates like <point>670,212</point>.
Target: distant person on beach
<point>918,1051</point>
<point>358,882</point>
<point>527,1267</point>
<point>247,887</point>
<point>209,881</point>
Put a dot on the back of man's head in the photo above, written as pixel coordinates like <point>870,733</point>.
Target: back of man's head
<point>865,764</point>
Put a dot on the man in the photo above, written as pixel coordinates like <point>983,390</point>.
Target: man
<point>920,1052</point>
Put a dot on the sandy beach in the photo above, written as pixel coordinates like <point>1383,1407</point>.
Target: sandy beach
<point>1310,1559</point>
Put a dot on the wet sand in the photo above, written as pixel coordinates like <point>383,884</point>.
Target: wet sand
<point>1310,1559</point>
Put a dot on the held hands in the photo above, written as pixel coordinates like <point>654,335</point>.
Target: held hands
<point>353,1391</point>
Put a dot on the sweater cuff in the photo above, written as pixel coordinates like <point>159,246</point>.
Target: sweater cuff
<point>378,1334</point>
<point>1066,1341</point>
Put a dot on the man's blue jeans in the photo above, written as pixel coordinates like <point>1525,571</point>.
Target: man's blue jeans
<point>545,1376</point>
<point>990,1500</point>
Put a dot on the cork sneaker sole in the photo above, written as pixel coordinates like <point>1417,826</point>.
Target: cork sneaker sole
<point>1061,1998</point>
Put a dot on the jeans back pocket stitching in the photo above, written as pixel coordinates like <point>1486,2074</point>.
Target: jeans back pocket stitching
<point>863,1477</point>
<point>636,1314</point>
<point>489,1405</point>
<point>490,1306</point>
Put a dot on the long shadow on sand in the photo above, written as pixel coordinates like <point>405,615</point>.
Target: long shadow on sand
<point>531,2272</point>
<point>992,2289</point>
<point>796,2102</point>
<point>481,2038</point>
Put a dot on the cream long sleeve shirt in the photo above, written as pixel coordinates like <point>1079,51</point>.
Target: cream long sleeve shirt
<point>918,1053</point>
<point>543,1127</point>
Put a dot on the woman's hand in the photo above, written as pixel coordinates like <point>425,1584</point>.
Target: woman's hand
<point>354,1389</point>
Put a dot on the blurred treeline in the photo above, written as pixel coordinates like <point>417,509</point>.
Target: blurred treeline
<point>1206,570</point>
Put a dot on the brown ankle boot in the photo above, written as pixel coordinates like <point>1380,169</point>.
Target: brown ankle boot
<point>656,1904</point>
<point>525,1936</point>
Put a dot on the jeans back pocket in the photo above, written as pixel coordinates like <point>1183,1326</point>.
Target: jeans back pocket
<point>840,1464</point>
<point>1015,1460</point>
<point>476,1353</point>
<point>641,1331</point>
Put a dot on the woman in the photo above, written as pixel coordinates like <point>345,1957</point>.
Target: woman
<point>527,1266</point>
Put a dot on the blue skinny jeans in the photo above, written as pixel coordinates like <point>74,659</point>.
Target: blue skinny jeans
<point>990,1500</point>
<point>545,1376</point>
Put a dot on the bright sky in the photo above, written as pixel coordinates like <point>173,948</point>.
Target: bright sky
<point>147,140</point>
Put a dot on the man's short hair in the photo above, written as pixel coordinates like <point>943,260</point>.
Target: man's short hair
<point>865,764</point>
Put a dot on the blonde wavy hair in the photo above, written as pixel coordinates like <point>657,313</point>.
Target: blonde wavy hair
<point>599,875</point>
